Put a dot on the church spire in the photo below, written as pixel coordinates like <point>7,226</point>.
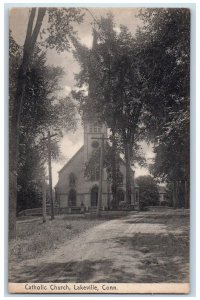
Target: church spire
<point>91,88</point>
<point>94,33</point>
<point>93,129</point>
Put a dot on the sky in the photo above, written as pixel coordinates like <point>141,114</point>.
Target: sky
<point>72,141</point>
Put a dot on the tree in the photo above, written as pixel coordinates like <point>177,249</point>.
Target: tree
<point>166,40</point>
<point>149,195</point>
<point>93,165</point>
<point>40,112</point>
<point>171,165</point>
<point>30,173</point>
<point>59,29</point>
<point>112,72</point>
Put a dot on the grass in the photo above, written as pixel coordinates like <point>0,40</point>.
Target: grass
<point>34,238</point>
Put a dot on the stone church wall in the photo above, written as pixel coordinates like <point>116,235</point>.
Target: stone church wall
<point>82,186</point>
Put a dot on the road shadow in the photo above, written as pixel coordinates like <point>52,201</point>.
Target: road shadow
<point>181,222</point>
<point>165,258</point>
<point>146,258</point>
<point>73,271</point>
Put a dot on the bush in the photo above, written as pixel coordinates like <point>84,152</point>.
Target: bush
<point>149,195</point>
<point>125,206</point>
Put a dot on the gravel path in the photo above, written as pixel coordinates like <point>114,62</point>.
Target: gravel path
<point>108,253</point>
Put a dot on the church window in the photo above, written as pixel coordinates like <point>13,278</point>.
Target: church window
<point>120,178</point>
<point>95,144</point>
<point>72,180</point>
<point>72,198</point>
<point>95,129</point>
<point>94,196</point>
<point>95,173</point>
<point>136,196</point>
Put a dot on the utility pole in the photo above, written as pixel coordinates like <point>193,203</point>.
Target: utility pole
<point>48,138</point>
<point>44,199</point>
<point>100,177</point>
<point>100,174</point>
<point>128,176</point>
<point>50,175</point>
<point>133,189</point>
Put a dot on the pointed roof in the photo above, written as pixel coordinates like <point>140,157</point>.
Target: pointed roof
<point>76,154</point>
<point>71,159</point>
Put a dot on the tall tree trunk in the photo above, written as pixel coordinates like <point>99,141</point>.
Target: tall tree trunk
<point>186,194</point>
<point>186,187</point>
<point>177,193</point>
<point>133,188</point>
<point>132,178</point>
<point>128,173</point>
<point>174,194</point>
<point>114,170</point>
<point>30,40</point>
<point>12,183</point>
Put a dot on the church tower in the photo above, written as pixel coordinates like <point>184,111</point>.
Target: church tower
<point>92,132</point>
<point>92,129</point>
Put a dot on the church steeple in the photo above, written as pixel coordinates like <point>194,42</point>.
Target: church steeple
<point>92,128</point>
<point>94,43</point>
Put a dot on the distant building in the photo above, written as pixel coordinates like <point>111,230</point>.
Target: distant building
<point>163,200</point>
<point>75,190</point>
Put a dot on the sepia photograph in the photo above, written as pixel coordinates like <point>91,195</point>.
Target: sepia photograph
<point>99,150</point>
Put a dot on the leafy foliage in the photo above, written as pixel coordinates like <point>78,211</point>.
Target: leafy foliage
<point>166,40</point>
<point>92,167</point>
<point>42,110</point>
<point>148,188</point>
<point>60,27</point>
<point>34,27</point>
<point>110,70</point>
<point>112,73</point>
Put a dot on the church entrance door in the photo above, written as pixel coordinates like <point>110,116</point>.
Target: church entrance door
<point>94,196</point>
<point>120,196</point>
<point>72,198</point>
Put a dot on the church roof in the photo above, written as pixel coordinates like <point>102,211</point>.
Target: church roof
<point>71,159</point>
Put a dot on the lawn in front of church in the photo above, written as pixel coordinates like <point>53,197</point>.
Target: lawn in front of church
<point>35,238</point>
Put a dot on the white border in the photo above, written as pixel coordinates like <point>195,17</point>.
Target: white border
<point>3,162</point>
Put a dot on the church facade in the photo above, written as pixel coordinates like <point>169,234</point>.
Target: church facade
<point>75,190</point>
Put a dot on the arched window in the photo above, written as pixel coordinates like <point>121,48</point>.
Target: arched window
<point>95,144</point>
<point>94,196</point>
<point>72,198</point>
<point>136,196</point>
<point>94,172</point>
<point>72,180</point>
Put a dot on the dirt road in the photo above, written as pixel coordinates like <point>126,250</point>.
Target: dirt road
<point>143,247</point>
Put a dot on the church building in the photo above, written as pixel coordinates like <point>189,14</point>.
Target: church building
<point>74,190</point>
